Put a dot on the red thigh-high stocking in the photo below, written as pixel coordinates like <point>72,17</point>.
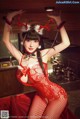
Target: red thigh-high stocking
<point>37,108</point>
<point>55,108</point>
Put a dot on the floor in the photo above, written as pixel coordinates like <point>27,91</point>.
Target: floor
<point>74,102</point>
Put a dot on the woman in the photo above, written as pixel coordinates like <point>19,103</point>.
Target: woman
<point>51,98</point>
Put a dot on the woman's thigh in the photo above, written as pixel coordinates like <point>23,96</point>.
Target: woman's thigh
<point>37,108</point>
<point>55,108</point>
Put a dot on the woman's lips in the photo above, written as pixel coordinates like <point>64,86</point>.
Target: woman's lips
<point>30,48</point>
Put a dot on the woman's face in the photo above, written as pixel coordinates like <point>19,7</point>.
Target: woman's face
<point>31,45</point>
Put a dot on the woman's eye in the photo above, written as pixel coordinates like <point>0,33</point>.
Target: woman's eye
<point>28,40</point>
<point>35,40</point>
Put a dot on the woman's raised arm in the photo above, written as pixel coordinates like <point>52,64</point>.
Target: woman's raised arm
<point>6,35</point>
<point>65,42</point>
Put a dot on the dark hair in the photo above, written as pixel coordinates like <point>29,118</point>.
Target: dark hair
<point>33,35</point>
<point>30,35</point>
<point>40,61</point>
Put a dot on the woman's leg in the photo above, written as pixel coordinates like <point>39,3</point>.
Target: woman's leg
<point>55,108</point>
<point>37,108</point>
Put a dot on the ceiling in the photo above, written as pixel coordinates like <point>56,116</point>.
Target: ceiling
<point>35,9</point>
<point>33,6</point>
<point>35,12</point>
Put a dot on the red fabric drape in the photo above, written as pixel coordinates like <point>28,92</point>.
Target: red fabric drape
<point>19,105</point>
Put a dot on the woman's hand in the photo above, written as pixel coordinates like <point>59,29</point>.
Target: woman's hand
<point>56,18</point>
<point>11,15</point>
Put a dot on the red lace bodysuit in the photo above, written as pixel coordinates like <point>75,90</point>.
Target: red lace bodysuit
<point>46,88</point>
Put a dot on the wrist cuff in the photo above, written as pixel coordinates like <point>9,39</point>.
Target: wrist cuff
<point>7,21</point>
<point>61,25</point>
